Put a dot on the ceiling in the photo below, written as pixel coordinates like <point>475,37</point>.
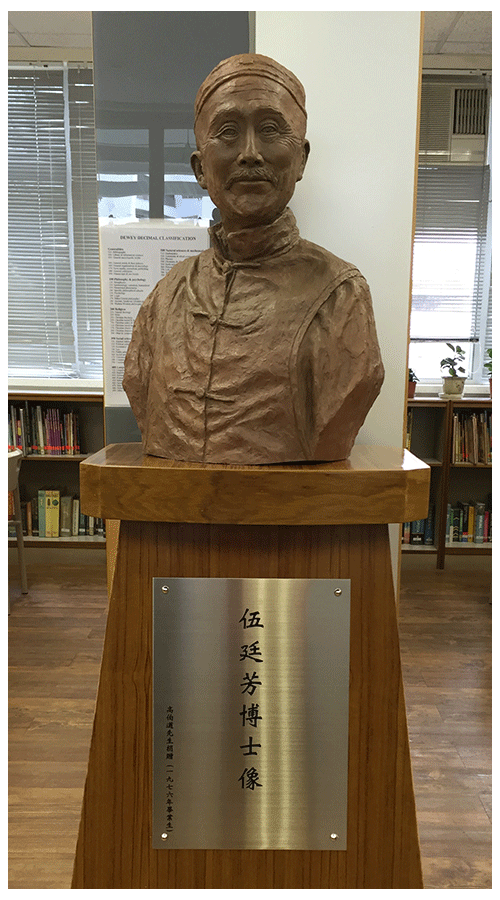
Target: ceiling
<point>446,33</point>
<point>50,29</point>
<point>457,33</point>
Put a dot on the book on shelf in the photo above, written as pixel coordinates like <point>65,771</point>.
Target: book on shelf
<point>52,517</point>
<point>34,516</point>
<point>41,513</point>
<point>75,516</point>
<point>429,527</point>
<point>462,533</point>
<point>480,510</point>
<point>409,428</point>
<point>471,523</point>
<point>417,531</point>
<point>26,516</point>
<point>449,524</point>
<point>488,519</point>
<point>66,514</point>
<point>457,524</point>
<point>82,525</point>
<point>487,527</point>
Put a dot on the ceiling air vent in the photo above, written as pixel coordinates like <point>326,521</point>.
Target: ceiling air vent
<point>469,115</point>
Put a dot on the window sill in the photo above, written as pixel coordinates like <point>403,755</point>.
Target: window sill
<point>56,385</point>
<point>436,387</point>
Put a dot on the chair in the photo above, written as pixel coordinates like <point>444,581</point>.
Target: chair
<point>15,457</point>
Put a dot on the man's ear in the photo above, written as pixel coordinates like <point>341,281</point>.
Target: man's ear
<point>305,153</point>
<point>197,168</point>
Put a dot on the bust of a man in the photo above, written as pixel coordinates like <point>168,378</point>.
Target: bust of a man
<point>262,349</point>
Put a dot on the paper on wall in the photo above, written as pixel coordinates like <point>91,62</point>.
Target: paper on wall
<point>134,256</point>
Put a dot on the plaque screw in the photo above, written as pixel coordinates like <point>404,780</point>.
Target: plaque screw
<point>164,836</point>
<point>334,837</point>
<point>337,593</point>
<point>165,588</point>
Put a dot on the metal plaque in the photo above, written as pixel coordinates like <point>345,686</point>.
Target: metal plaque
<point>250,713</point>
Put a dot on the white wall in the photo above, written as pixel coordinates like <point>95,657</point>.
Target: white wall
<point>361,73</point>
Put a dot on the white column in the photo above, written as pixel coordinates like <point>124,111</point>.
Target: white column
<point>361,73</point>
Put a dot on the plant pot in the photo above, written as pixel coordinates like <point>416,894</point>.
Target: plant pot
<point>411,389</point>
<point>491,386</point>
<point>453,387</point>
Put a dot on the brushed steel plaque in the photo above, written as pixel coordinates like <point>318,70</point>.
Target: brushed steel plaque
<point>250,713</point>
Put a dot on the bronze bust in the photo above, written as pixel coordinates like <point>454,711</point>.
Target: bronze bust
<point>262,349</point>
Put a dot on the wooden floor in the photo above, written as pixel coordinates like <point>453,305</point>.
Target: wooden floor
<point>55,641</point>
<point>445,634</point>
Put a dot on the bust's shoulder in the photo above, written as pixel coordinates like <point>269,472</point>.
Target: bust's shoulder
<point>185,266</point>
<point>325,262</point>
<point>185,269</point>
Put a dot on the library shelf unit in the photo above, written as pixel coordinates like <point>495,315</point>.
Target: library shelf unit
<point>431,429</point>
<point>61,471</point>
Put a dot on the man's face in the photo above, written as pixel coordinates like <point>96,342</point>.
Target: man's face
<point>252,150</point>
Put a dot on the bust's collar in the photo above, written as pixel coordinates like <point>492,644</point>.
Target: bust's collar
<point>256,243</point>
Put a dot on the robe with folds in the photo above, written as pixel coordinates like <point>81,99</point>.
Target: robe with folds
<point>262,349</point>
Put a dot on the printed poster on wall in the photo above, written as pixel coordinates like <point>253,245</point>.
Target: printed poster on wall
<point>134,256</point>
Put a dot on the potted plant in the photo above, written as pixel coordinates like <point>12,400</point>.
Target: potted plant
<point>488,365</point>
<point>412,383</point>
<point>453,383</point>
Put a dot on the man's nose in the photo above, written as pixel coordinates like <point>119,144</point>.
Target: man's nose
<point>250,154</point>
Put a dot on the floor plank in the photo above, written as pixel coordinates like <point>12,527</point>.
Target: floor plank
<point>56,634</point>
<point>55,642</point>
<point>445,634</point>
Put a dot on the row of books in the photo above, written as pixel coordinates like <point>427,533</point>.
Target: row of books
<point>472,436</point>
<point>421,531</point>
<point>469,523</point>
<point>52,514</point>
<point>43,431</point>
<point>472,440</point>
<point>465,523</point>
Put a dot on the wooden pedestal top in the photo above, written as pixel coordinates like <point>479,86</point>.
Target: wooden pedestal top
<point>375,485</point>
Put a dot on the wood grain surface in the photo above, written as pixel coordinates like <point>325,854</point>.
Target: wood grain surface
<point>114,846</point>
<point>375,485</point>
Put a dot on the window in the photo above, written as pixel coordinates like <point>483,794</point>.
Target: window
<point>451,300</point>
<point>54,284</point>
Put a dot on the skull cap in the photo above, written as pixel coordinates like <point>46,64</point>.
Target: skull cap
<point>250,64</point>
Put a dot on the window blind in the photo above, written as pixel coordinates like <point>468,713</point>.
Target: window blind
<point>449,251</point>
<point>54,292</point>
<point>452,247</point>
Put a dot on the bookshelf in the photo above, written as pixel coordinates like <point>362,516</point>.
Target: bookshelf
<point>77,431</point>
<point>454,438</point>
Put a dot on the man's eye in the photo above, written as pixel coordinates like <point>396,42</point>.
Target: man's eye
<point>228,132</point>
<point>269,128</point>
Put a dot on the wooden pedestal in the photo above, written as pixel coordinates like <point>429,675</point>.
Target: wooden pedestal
<point>324,521</point>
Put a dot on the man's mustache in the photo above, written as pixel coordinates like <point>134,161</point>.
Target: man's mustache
<point>250,175</point>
